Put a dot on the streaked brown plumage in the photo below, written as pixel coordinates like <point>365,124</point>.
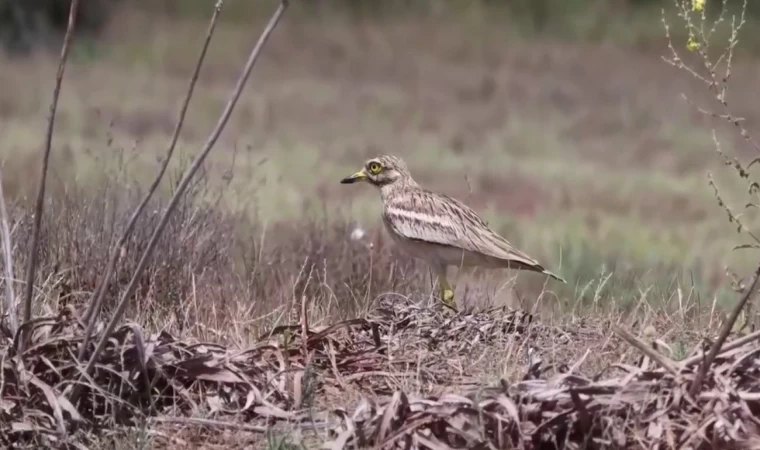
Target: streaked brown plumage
<point>437,228</point>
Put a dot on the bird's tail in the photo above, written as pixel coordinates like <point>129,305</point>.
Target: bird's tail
<point>531,266</point>
<point>556,277</point>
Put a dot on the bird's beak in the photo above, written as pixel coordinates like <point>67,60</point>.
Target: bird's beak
<point>358,176</point>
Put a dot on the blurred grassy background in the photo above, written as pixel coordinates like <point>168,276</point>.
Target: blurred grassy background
<point>556,119</point>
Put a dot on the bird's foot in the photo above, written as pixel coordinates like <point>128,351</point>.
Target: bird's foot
<point>447,295</point>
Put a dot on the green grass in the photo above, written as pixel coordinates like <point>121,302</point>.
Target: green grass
<point>571,150</point>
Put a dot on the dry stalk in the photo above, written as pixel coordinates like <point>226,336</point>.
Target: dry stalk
<point>240,426</point>
<point>96,301</point>
<point>663,361</point>
<point>186,179</point>
<point>9,306</point>
<point>31,267</point>
<point>304,325</point>
<point>724,332</point>
<point>728,347</point>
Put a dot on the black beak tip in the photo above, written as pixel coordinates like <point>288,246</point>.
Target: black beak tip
<point>348,180</point>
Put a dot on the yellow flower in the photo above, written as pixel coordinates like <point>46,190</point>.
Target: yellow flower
<point>698,5</point>
<point>692,44</point>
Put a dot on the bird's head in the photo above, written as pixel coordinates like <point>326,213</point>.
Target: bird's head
<point>382,171</point>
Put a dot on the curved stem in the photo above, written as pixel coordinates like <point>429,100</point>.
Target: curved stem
<point>31,266</point>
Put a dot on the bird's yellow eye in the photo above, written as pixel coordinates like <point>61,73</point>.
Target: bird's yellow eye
<point>374,168</point>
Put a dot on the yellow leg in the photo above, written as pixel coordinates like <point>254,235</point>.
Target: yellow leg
<point>447,293</point>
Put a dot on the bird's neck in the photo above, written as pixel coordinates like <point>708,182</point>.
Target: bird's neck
<point>390,190</point>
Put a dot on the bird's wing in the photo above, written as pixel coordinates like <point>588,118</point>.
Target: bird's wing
<point>440,219</point>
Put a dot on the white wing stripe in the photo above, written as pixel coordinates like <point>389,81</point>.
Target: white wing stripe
<point>425,227</point>
<point>418,216</point>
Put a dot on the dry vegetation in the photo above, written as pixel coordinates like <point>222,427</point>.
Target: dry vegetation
<point>253,319</point>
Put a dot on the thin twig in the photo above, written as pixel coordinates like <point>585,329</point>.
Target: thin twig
<point>186,179</point>
<point>663,361</point>
<point>96,301</point>
<point>238,426</point>
<point>726,348</point>
<point>9,306</point>
<point>724,332</point>
<point>304,327</point>
<point>31,267</point>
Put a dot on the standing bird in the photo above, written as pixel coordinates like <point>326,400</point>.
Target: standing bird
<point>437,228</point>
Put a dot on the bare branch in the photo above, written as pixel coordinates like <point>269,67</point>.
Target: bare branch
<point>31,267</point>
<point>186,179</point>
<point>96,301</point>
<point>663,361</point>
<point>724,332</point>
<point>726,348</point>
<point>9,304</point>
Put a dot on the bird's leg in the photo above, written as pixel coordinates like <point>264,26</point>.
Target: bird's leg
<point>447,293</point>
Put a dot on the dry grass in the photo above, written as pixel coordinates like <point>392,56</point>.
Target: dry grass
<point>411,371</point>
<point>261,322</point>
<point>221,302</point>
<point>300,378</point>
<point>247,269</point>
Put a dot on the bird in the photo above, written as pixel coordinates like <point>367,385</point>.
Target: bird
<point>437,228</point>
